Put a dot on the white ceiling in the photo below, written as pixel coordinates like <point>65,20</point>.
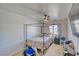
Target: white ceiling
<point>37,10</point>
<point>54,10</point>
<point>59,10</point>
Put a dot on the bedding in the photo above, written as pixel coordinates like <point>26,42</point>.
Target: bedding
<point>37,42</point>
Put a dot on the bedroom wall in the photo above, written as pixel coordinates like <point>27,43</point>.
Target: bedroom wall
<point>12,32</point>
<point>33,31</point>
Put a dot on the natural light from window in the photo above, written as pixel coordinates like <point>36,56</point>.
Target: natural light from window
<point>76,22</point>
<point>53,29</point>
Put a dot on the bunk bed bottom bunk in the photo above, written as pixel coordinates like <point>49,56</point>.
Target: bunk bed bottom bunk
<point>39,43</point>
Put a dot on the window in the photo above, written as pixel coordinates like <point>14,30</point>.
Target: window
<point>53,29</point>
<point>75,27</point>
<point>76,22</point>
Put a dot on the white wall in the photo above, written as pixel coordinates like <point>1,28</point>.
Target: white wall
<point>12,31</point>
<point>11,35</point>
<point>72,37</point>
<point>33,31</point>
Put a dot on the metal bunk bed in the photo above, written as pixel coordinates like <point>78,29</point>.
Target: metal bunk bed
<point>43,45</point>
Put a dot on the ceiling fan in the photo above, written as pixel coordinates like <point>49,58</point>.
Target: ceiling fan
<point>46,18</point>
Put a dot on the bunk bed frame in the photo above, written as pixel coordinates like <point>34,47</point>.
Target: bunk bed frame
<point>43,37</point>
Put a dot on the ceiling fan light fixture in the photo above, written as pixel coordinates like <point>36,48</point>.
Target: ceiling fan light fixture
<point>46,18</point>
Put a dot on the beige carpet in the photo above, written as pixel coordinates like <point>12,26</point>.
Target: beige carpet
<point>55,50</point>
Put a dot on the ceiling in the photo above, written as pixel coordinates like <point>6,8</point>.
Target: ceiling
<point>37,10</point>
<point>59,11</point>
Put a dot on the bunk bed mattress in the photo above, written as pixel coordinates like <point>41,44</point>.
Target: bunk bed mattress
<point>39,43</point>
